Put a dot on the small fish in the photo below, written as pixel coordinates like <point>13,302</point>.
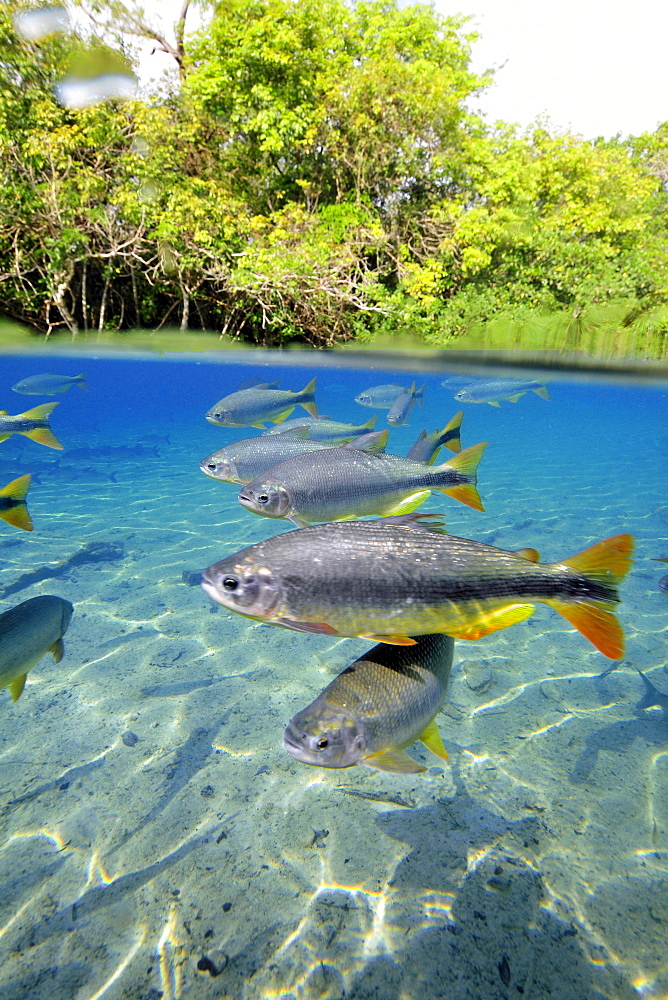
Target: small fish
<point>663,584</point>
<point>251,407</point>
<point>332,432</point>
<point>48,384</point>
<point>13,507</point>
<point>403,405</point>
<point>344,483</point>
<point>394,578</point>
<point>27,632</point>
<point>427,446</point>
<point>380,397</point>
<point>652,698</point>
<point>244,461</point>
<point>496,390</point>
<point>382,703</point>
<point>33,424</point>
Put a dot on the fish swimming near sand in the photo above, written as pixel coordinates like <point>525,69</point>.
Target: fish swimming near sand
<point>394,578</point>
<point>33,424</point>
<point>244,461</point>
<point>495,391</point>
<point>13,507</point>
<point>345,483</point>
<point>380,397</point>
<point>381,704</point>
<point>252,407</point>
<point>427,446</point>
<point>48,384</point>
<point>27,632</point>
<point>403,404</point>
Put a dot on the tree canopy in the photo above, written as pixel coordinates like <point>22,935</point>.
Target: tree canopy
<point>313,173</point>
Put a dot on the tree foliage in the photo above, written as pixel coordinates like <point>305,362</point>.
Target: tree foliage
<point>313,173</point>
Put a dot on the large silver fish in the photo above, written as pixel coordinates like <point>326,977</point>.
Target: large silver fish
<point>33,424</point>
<point>48,384</point>
<point>380,704</point>
<point>27,632</point>
<point>244,461</point>
<point>394,578</point>
<point>251,407</point>
<point>344,483</point>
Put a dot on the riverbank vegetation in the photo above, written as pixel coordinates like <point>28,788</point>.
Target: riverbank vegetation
<point>313,174</point>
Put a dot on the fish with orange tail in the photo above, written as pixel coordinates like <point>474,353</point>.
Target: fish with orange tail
<point>398,577</point>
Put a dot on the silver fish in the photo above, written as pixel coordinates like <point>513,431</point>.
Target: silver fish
<point>48,384</point>
<point>427,446</point>
<point>27,632</point>
<point>380,397</point>
<point>495,391</point>
<point>251,407</point>
<point>344,483</point>
<point>385,701</point>
<point>403,405</point>
<point>322,429</point>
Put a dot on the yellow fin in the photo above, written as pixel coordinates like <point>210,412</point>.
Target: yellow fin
<point>450,434</point>
<point>431,738</point>
<point>393,639</point>
<point>16,687</point>
<point>4,437</point>
<point>18,517</point>
<point>17,489</point>
<point>43,435</point>
<point>409,504</point>
<point>466,464</point>
<point>58,650</point>
<point>491,403</point>
<point>393,760</point>
<point>514,399</point>
<point>280,417</point>
<point>596,623</point>
<point>492,621</point>
<point>40,412</point>
<point>542,392</point>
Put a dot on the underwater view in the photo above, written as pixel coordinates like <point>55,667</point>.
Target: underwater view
<point>199,799</point>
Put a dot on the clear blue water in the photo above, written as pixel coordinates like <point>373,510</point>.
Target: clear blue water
<point>155,838</point>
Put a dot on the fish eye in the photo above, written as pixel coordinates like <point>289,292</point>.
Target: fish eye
<point>230,583</point>
<point>212,466</point>
<point>262,498</point>
<point>322,743</point>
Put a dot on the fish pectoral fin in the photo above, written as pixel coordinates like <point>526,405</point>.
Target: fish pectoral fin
<point>299,521</point>
<point>315,628</point>
<point>393,760</point>
<point>392,639</point>
<point>431,738</point>
<point>596,623</point>
<point>43,435</point>
<point>58,650</point>
<point>409,504</point>
<point>492,621</point>
<point>260,427</point>
<point>494,403</point>
<point>16,687</point>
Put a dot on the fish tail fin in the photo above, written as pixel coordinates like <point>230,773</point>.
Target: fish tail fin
<point>606,564</point>
<point>81,381</point>
<point>466,464</point>
<point>542,392</point>
<point>371,423</point>
<point>449,436</point>
<point>18,515</point>
<point>419,395</point>
<point>40,412</point>
<point>43,435</point>
<point>308,402</point>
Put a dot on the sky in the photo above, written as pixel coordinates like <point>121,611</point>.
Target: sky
<point>593,67</point>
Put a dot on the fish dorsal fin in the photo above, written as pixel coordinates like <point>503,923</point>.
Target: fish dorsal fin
<point>532,555</point>
<point>371,422</point>
<point>58,650</point>
<point>17,686</point>
<point>431,738</point>
<point>373,443</point>
<point>393,760</point>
